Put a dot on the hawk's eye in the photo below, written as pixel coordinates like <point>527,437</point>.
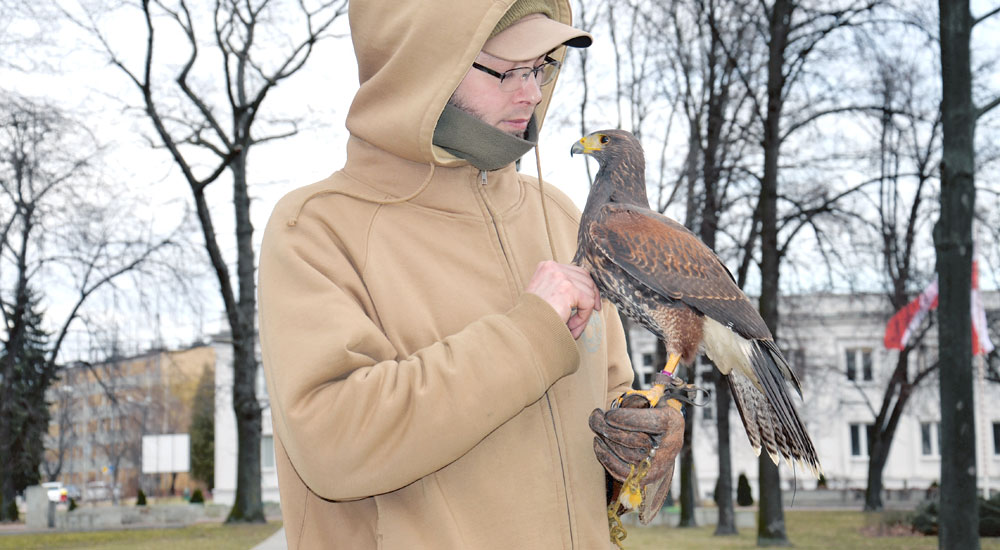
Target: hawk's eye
<point>605,139</point>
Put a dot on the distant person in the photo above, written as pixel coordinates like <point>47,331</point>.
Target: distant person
<point>431,358</point>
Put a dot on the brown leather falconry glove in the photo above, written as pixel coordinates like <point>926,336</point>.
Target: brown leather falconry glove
<point>626,436</point>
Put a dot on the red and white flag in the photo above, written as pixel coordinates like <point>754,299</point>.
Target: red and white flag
<point>981,344</point>
<point>906,321</point>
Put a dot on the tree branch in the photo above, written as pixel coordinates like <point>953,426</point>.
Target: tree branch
<point>986,15</point>
<point>988,107</point>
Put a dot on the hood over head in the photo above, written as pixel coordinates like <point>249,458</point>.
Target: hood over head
<point>412,55</point>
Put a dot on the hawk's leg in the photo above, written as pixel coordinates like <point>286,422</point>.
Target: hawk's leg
<point>652,395</point>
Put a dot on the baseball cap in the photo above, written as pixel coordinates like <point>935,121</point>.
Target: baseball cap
<point>532,36</point>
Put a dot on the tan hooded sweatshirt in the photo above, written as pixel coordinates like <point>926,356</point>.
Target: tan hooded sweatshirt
<point>420,398</point>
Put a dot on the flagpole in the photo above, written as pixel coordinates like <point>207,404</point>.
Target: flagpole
<point>983,432</point>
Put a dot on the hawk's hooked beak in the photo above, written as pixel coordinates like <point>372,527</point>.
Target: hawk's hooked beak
<point>587,145</point>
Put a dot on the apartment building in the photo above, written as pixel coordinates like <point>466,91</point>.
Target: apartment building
<point>100,413</point>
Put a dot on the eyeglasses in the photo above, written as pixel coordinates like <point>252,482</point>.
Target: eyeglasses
<point>516,78</point>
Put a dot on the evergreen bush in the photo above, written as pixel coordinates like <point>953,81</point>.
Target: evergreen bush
<point>197,497</point>
<point>989,517</point>
<point>11,509</point>
<point>821,482</point>
<point>925,517</point>
<point>202,430</point>
<point>141,499</point>
<point>744,496</point>
<point>72,504</point>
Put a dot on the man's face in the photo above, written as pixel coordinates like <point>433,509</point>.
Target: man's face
<point>479,94</point>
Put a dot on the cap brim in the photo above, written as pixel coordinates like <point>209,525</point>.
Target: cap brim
<point>534,36</point>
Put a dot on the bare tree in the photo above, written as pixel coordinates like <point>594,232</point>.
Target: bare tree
<point>119,421</point>
<point>59,444</point>
<point>192,124</point>
<point>793,31</point>
<point>55,236</point>
<point>907,130</point>
<point>709,102</point>
<point>959,517</point>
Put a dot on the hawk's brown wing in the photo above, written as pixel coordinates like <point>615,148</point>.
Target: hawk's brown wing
<point>665,257</point>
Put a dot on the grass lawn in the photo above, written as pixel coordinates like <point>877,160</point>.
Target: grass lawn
<point>202,535</point>
<point>812,530</point>
<point>806,530</point>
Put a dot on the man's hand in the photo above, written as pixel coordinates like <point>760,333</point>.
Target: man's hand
<point>569,290</point>
<point>625,437</point>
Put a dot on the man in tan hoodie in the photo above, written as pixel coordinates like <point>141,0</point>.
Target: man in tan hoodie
<point>431,357</point>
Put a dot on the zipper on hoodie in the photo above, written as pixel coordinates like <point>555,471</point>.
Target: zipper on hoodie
<point>493,221</point>
<point>548,399</point>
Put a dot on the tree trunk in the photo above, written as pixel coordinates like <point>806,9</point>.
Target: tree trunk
<point>689,481</point>
<point>897,395</point>
<point>248,505</point>
<point>724,495</point>
<point>771,520</point>
<point>877,456</point>
<point>959,517</point>
<point>717,101</point>
<point>688,496</point>
<point>770,514</point>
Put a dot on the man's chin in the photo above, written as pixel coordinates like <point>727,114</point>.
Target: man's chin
<point>514,129</point>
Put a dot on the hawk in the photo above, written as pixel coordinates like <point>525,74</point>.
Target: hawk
<point>663,277</point>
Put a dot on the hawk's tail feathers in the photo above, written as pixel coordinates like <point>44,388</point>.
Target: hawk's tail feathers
<point>768,414</point>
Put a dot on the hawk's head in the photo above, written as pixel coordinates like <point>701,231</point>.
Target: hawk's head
<point>607,144</point>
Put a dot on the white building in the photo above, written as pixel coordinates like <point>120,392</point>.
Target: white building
<point>834,343</point>
<point>225,430</point>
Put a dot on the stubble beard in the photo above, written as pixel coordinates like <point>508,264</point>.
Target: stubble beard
<point>455,101</point>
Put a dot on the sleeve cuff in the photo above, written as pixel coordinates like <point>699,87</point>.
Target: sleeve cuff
<point>552,343</point>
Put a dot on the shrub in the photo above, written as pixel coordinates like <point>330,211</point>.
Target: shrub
<point>989,517</point>
<point>925,518</point>
<point>197,497</point>
<point>10,507</point>
<point>744,496</point>
<point>72,504</point>
<point>821,483</point>
<point>141,499</point>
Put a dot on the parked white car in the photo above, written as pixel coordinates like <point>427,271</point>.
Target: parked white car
<point>55,491</point>
<point>99,490</point>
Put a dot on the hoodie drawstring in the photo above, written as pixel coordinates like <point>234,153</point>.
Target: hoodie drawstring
<point>541,195</point>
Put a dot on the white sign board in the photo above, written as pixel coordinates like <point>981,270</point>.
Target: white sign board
<point>164,454</point>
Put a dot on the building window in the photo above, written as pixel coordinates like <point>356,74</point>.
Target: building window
<point>707,376</point>
<point>267,451</point>
<point>860,434</point>
<point>260,384</point>
<point>708,411</point>
<point>859,364</point>
<point>996,438</point>
<point>930,439</point>
<point>648,370</point>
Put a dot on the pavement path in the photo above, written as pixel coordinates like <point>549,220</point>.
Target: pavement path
<point>274,542</point>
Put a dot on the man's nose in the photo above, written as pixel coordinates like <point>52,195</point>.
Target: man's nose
<point>530,90</point>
